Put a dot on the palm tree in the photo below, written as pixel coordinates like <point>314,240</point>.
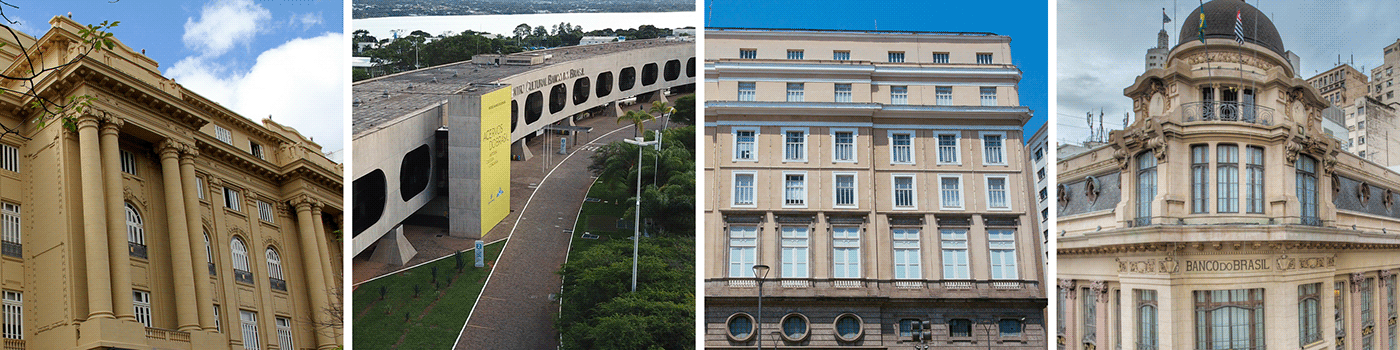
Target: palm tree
<point>636,117</point>
<point>661,108</point>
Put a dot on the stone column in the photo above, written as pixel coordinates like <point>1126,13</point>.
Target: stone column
<point>186,305</point>
<point>94,228</point>
<point>118,251</point>
<point>315,282</point>
<point>322,251</point>
<point>196,234</point>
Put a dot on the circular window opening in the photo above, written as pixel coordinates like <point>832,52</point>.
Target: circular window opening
<point>414,171</point>
<point>558,98</point>
<point>369,191</point>
<point>673,70</point>
<point>649,74</point>
<point>848,327</point>
<point>605,84</point>
<point>581,90</point>
<point>534,107</point>
<point>740,327</point>
<point>794,327</point>
<point>627,79</point>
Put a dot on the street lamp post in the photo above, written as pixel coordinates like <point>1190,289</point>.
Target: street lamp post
<point>637,223</point>
<point>759,272</point>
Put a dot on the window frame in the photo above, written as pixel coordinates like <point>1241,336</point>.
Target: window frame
<point>284,333</point>
<point>913,154</point>
<point>1204,306</point>
<point>1200,178</point>
<point>837,245</point>
<point>753,151</point>
<point>860,327</point>
<point>806,327</point>
<point>1146,325</point>
<point>957,147</point>
<point>14,314</point>
<point>1227,179</point>
<point>141,301</point>
<point>128,162</point>
<point>274,269</point>
<point>836,190</point>
<point>1005,189</point>
<point>256,150</point>
<point>248,321</point>
<point>232,199</point>
<point>899,94</point>
<point>795,54</point>
<point>734,189</point>
<point>796,92</point>
<point>749,54</point>
<point>804,188</point>
<point>837,55</point>
<point>940,58</point>
<point>748,242</point>
<point>835,147</point>
<point>982,138</point>
<point>940,98</point>
<point>913,191</point>
<point>752,91</point>
<point>135,232</point>
<point>955,270</point>
<point>843,96</point>
<point>961,200</point>
<point>989,59</point>
<point>12,233</point>
<point>992,249</point>
<point>895,57</point>
<point>729,327</point>
<point>266,212</point>
<point>983,96</point>
<point>9,157</point>
<point>790,251</point>
<point>900,240</point>
<point>1309,328</point>
<point>223,134</point>
<point>803,147</point>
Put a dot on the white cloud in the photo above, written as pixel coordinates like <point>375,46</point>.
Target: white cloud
<point>299,83</point>
<point>225,24</point>
<point>305,21</point>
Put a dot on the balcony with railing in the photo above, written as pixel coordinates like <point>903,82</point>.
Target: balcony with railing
<point>242,276</point>
<point>277,283</point>
<point>1239,112</point>
<point>14,249</point>
<point>136,249</point>
<point>166,334</point>
<point>14,344</point>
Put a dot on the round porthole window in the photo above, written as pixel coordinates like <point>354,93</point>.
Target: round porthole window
<point>794,327</point>
<point>848,327</point>
<point>740,327</point>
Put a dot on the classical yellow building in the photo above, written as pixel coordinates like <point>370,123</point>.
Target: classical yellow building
<point>164,221</point>
<point>1223,217</point>
<point>881,177</point>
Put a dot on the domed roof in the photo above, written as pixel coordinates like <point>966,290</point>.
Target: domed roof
<point>1220,23</point>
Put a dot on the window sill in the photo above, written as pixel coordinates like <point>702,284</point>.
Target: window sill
<point>235,212</point>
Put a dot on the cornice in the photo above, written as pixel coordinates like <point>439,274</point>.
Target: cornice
<point>1223,247</point>
<point>131,90</point>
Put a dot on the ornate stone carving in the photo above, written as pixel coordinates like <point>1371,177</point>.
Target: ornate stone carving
<point>1100,291</point>
<point>1091,188</point>
<point>1066,288</point>
<point>1227,57</point>
<point>173,146</point>
<point>1356,279</point>
<point>300,200</point>
<point>1062,194</point>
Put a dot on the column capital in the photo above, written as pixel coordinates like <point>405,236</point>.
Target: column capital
<point>112,121</point>
<point>1356,279</point>
<point>305,202</point>
<point>172,148</point>
<point>87,119</point>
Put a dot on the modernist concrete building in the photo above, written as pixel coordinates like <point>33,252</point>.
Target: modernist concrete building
<point>1342,85</point>
<point>163,220</point>
<point>1383,77</point>
<point>1222,217</point>
<point>478,114</point>
<point>881,177</point>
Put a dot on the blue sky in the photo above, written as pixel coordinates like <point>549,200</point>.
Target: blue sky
<point>1024,21</point>
<point>283,58</point>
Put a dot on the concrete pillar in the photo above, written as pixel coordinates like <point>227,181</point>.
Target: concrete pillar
<point>186,305</point>
<point>202,289</point>
<point>519,151</point>
<point>315,282</point>
<point>117,249</point>
<point>94,225</point>
<point>393,248</point>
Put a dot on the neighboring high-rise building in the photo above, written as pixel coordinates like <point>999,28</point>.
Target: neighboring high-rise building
<point>1039,175</point>
<point>1219,221</point>
<point>880,177</point>
<point>162,220</point>
<point>1383,77</point>
<point>1372,132</point>
<point>1157,56</point>
<point>1340,86</point>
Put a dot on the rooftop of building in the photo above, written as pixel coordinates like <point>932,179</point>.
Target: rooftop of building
<point>844,31</point>
<point>1220,24</point>
<point>380,100</point>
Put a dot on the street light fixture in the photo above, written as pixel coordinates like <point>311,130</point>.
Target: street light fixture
<point>759,272</point>
<point>637,223</point>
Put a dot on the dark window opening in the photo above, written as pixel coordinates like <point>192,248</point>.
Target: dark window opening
<point>649,74</point>
<point>627,79</point>
<point>534,107</point>
<point>369,193</point>
<point>414,171</point>
<point>558,98</point>
<point>673,70</point>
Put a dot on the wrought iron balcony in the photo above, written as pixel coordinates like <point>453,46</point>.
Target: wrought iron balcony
<point>12,249</point>
<point>277,283</point>
<point>242,276</point>
<point>1209,111</point>
<point>137,249</point>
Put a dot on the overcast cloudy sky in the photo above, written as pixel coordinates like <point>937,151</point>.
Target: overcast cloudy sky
<point>1102,45</point>
<point>284,58</point>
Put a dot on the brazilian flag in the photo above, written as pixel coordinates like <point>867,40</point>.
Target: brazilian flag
<point>1201,31</point>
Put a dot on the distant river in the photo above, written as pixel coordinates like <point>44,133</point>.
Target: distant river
<point>505,24</point>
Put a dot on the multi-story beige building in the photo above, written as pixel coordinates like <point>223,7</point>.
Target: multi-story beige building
<point>1372,131</point>
<point>1223,217</point>
<point>162,220</point>
<point>1383,77</point>
<point>1341,86</point>
<point>881,177</point>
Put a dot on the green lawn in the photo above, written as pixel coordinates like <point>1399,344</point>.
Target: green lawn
<point>606,213</point>
<point>379,324</point>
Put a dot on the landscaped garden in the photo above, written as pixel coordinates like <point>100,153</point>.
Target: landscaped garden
<point>423,307</point>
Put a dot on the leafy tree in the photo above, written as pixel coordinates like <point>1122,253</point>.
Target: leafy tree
<point>660,108</point>
<point>636,118</point>
<point>600,312</point>
<point>521,31</point>
<point>685,110</point>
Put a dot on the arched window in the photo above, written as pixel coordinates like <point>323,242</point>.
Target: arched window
<point>274,270</point>
<point>135,232</point>
<point>1307,189</point>
<point>241,271</point>
<point>209,254</point>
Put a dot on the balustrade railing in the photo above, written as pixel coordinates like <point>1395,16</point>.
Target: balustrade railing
<point>1208,111</point>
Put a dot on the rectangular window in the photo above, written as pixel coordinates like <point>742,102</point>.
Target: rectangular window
<point>794,245</point>
<point>743,246</point>
<point>249,321</point>
<point>899,95</point>
<point>218,319</point>
<point>744,142</point>
<point>11,232</point>
<point>845,190</point>
<point>906,253</point>
<point>1002,242</point>
<point>794,190</point>
<point>1200,178</point>
<point>943,95</point>
<point>843,92</point>
<point>993,152</point>
<point>1090,316</point>
<point>9,158</point>
<point>841,55</point>
<point>1227,177</point>
<point>231,200</point>
<point>1040,176</point>
<point>989,96</point>
<point>1340,317</point>
<point>141,301</point>
<point>997,194</point>
<point>1146,318</point>
<point>223,134</point>
<point>1146,187</point>
<point>794,54</point>
<point>1230,319</point>
<point>284,333</point>
<point>906,327</point>
<point>984,58</point>
<point>843,145</point>
<point>265,211</point>
<point>1009,328</point>
<point>904,192</point>
<point>199,187</point>
<point>794,145</point>
<point>896,57</point>
<point>950,188</point>
<point>940,57</point>
<point>845,252</point>
<point>128,162</point>
<point>960,328</point>
<point>948,149</point>
<point>902,147</point>
<point>1254,181</point>
<point>1368,320</point>
<point>14,315</point>
<point>794,92</point>
<point>256,150</point>
<point>1309,313</point>
<point>746,91</point>
<point>954,243</point>
<point>744,189</point>
<point>748,53</point>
